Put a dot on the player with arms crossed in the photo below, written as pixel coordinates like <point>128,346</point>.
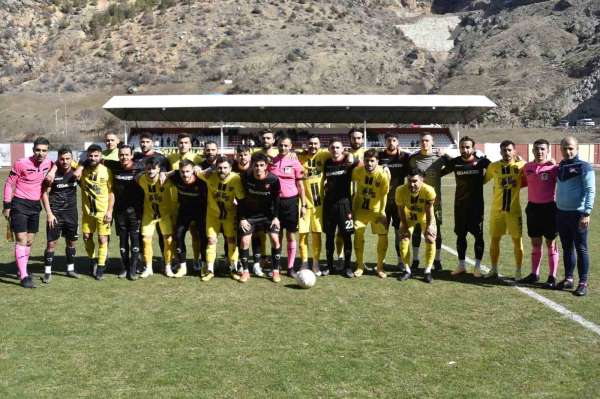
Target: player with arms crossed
<point>369,202</point>
<point>97,201</point>
<point>415,201</point>
<point>541,174</point>
<point>258,211</point>
<point>505,213</point>
<point>337,205</point>
<point>469,172</point>
<point>160,201</point>
<point>60,202</point>
<point>21,208</point>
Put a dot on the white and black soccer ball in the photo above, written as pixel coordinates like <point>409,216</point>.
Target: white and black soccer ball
<point>306,278</point>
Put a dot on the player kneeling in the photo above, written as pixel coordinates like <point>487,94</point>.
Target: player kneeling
<point>258,211</point>
<point>415,201</point>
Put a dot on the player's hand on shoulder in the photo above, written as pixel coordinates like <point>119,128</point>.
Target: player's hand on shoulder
<point>51,174</point>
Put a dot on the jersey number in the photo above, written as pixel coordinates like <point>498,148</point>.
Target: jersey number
<point>222,210</point>
<point>314,189</point>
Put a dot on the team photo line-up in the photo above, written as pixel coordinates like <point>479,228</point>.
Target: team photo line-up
<point>270,189</point>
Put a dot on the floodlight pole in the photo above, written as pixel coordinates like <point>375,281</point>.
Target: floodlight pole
<point>365,134</point>
<point>125,131</point>
<point>457,133</point>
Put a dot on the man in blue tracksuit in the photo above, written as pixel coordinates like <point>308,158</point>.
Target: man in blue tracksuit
<point>575,192</point>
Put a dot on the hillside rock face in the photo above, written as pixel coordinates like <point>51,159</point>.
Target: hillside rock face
<point>538,60</point>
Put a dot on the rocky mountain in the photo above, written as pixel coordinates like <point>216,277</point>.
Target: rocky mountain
<point>61,59</point>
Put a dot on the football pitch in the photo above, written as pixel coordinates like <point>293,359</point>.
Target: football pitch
<point>365,337</point>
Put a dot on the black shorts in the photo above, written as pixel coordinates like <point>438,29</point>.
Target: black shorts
<point>338,215</point>
<point>25,215</point>
<point>128,220</point>
<point>391,213</point>
<point>288,214</point>
<point>261,223</point>
<point>66,226</point>
<point>186,218</point>
<point>468,220</point>
<point>541,220</point>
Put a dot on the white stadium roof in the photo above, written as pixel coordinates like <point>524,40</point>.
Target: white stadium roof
<point>300,108</point>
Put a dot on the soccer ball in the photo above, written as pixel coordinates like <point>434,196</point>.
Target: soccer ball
<point>306,278</point>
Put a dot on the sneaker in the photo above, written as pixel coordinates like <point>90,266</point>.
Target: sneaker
<point>427,278</point>
<point>203,269</point>
<point>234,275</point>
<point>550,283</point>
<point>73,274</point>
<point>349,273</point>
<point>207,277</point>
<point>132,276</point>
<point>244,277</point>
<point>100,273</point>
<point>257,270</point>
<point>27,282</point>
<point>530,279</point>
<point>47,277</point>
<point>493,273</point>
<point>122,274</point>
<point>458,271</point>
<point>437,265</point>
<point>381,274</point>
<point>565,285</point>
<point>477,272</point>
<point>316,271</point>
<point>339,265</point>
<point>182,271</point>
<point>325,272</point>
<point>291,272</point>
<point>404,276</point>
<point>517,274</point>
<point>359,272</point>
<point>147,272</point>
<point>581,290</point>
<point>169,271</point>
<point>276,276</point>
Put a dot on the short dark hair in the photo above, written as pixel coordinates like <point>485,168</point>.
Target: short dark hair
<point>284,136</point>
<point>371,153</point>
<point>506,143</point>
<point>354,129</point>
<point>314,136</point>
<point>221,159</point>
<point>466,138</point>
<point>390,134</point>
<point>264,131</point>
<point>146,135</point>
<point>151,162</point>
<point>41,141</point>
<point>259,157</point>
<point>94,148</point>
<point>64,150</point>
<point>183,136</point>
<point>185,162</point>
<point>336,139</point>
<point>125,146</point>
<point>242,148</point>
<point>210,142</point>
<point>415,172</point>
<point>542,141</point>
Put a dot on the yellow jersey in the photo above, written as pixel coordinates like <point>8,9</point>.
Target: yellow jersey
<point>159,200</point>
<point>313,176</point>
<point>371,189</point>
<point>271,152</point>
<point>508,180</point>
<point>359,154</point>
<point>96,185</point>
<point>414,203</point>
<point>223,193</point>
<point>176,157</point>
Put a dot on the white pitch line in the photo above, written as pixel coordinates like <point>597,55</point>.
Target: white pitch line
<point>593,327</point>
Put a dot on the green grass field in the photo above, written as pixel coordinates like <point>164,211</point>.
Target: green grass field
<point>344,338</point>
